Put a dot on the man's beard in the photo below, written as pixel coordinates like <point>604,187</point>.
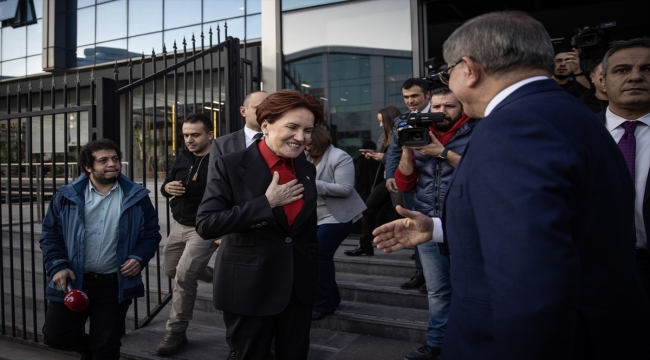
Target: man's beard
<point>101,178</point>
<point>561,76</point>
<point>446,124</point>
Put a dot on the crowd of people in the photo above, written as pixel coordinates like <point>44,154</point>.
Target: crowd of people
<point>528,208</point>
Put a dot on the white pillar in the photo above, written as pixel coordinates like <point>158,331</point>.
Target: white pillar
<point>271,45</point>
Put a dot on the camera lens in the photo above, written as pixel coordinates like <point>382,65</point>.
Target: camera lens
<point>416,136</point>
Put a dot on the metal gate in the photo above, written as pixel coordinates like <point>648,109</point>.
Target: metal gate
<point>140,107</point>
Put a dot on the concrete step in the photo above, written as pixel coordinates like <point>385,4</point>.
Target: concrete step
<point>207,340</point>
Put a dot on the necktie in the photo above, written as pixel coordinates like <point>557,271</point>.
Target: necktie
<point>257,136</point>
<point>627,144</point>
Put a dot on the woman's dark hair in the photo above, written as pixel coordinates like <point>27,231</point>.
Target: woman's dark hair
<point>86,157</point>
<point>278,103</point>
<point>388,115</point>
<point>320,140</point>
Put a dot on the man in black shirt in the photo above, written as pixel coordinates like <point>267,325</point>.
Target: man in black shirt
<point>186,254</point>
<point>596,97</point>
<point>568,74</point>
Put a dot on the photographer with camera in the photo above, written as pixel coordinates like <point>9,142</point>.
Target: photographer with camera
<point>568,73</point>
<point>431,148</point>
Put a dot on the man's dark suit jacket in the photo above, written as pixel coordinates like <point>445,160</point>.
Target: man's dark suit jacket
<point>543,253</point>
<point>263,259</point>
<point>226,144</point>
<point>646,195</point>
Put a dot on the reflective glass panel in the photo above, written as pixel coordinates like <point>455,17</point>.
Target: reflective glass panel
<point>254,27</point>
<point>85,26</point>
<point>219,10</point>
<point>183,12</point>
<point>145,43</point>
<point>235,28</point>
<point>178,34</point>
<point>300,4</point>
<point>84,3</point>
<point>110,51</point>
<point>103,1</point>
<point>35,38</point>
<point>13,42</point>
<point>111,21</point>
<point>38,7</point>
<point>253,6</point>
<point>14,67</point>
<point>142,24</point>
<point>85,55</point>
<point>34,64</point>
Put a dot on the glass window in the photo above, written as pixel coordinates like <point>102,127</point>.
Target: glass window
<point>178,35</point>
<point>14,42</point>
<point>110,51</point>
<point>14,68</point>
<point>219,10</point>
<point>153,21</point>
<point>138,44</point>
<point>235,28</point>
<point>84,3</point>
<point>38,7</point>
<point>34,64</point>
<point>182,13</point>
<point>85,55</point>
<point>85,26</point>
<point>300,4</point>
<point>35,38</point>
<point>103,1</point>
<point>253,6</point>
<point>254,27</point>
<point>111,21</point>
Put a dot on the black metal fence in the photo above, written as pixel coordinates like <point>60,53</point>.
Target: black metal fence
<point>140,107</point>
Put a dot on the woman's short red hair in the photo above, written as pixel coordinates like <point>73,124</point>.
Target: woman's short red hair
<point>284,100</point>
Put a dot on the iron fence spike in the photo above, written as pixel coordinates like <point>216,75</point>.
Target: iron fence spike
<point>18,89</point>
<point>78,79</point>
<point>65,79</point>
<point>29,85</point>
<point>40,86</point>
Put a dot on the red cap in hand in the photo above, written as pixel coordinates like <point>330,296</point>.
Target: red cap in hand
<point>76,300</point>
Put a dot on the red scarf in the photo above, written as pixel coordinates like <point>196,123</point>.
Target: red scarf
<point>447,135</point>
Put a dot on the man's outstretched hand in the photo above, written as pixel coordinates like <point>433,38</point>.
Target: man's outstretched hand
<point>415,229</point>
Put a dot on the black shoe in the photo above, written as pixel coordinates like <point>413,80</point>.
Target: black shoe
<point>415,283</point>
<point>360,250</point>
<point>317,315</point>
<point>425,352</point>
<point>423,289</point>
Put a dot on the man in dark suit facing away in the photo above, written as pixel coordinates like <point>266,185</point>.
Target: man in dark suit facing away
<point>537,217</point>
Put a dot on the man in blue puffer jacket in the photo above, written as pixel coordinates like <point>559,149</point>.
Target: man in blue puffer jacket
<point>98,234</point>
<point>429,169</point>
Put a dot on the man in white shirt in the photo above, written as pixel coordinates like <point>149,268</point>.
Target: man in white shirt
<point>537,216</point>
<point>626,77</point>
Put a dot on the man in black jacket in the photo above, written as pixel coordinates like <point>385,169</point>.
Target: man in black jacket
<point>186,254</point>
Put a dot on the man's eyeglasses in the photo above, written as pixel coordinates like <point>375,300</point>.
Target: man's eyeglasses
<point>444,74</point>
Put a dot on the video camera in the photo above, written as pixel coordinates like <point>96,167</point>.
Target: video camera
<point>590,36</point>
<point>434,70</point>
<point>415,128</point>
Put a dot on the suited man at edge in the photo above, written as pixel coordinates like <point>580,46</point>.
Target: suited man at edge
<point>626,77</point>
<point>242,138</point>
<point>264,199</point>
<point>537,217</point>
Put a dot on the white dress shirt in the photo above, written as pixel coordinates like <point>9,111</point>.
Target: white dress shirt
<point>438,233</point>
<point>249,135</point>
<point>641,166</point>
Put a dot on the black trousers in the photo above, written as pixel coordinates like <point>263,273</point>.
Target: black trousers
<point>643,266</point>
<point>251,336</point>
<point>64,329</point>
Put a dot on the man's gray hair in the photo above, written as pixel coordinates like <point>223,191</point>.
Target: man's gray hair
<point>623,44</point>
<point>502,41</point>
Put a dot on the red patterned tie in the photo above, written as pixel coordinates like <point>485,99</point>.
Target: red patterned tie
<point>628,144</point>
